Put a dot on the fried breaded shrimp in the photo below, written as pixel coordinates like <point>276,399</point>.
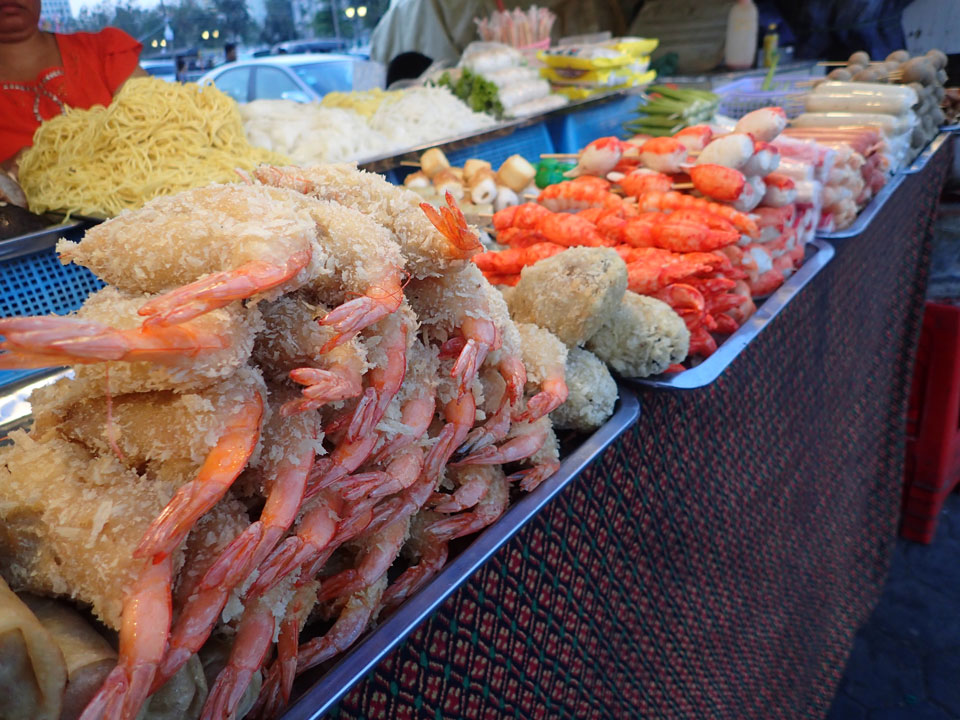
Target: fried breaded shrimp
<point>542,463</point>
<point>427,249</point>
<point>145,624</point>
<point>467,315</point>
<point>644,337</point>
<point>211,246</point>
<point>363,277</point>
<point>206,350</point>
<point>571,294</point>
<point>154,427</point>
<point>592,393</point>
<point>69,521</point>
<point>544,357</point>
<point>261,237</point>
<point>290,345</point>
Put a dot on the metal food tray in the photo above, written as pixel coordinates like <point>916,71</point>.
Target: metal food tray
<point>14,402</point>
<point>318,692</point>
<point>392,160</point>
<point>819,253</point>
<point>868,213</point>
<point>920,162</point>
<point>37,240</point>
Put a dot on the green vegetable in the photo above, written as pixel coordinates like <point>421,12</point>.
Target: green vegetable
<point>550,172</point>
<point>476,91</point>
<point>669,110</point>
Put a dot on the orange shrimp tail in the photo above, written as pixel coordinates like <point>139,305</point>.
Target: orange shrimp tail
<point>287,647</point>
<point>468,363</point>
<point>543,403</point>
<point>233,563</point>
<point>531,478</point>
<point>269,704</point>
<point>441,451</point>
<point>335,586</point>
<point>221,467</point>
<point>492,431</point>
<point>321,387</point>
<point>452,224</point>
<point>108,702</point>
<point>414,578</point>
<point>226,694</point>
<point>364,417</point>
<point>50,341</point>
<point>355,315</point>
<point>220,289</point>
<point>285,559</point>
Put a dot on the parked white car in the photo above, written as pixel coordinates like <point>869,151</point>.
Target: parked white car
<point>302,77</point>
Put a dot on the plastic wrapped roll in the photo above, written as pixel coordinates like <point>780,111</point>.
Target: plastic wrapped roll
<point>891,125</point>
<point>854,102</point>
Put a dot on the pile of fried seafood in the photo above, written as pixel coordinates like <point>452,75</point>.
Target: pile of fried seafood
<point>288,387</point>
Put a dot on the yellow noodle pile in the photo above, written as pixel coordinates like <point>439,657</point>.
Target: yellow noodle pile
<point>365,102</point>
<point>156,138</point>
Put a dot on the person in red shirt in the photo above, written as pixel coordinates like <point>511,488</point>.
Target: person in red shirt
<point>43,73</point>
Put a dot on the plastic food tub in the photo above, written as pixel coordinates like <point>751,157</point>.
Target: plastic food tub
<point>743,96</point>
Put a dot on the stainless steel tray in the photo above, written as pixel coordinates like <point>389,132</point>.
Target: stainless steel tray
<point>819,254</point>
<point>869,212</point>
<point>318,693</point>
<point>32,242</point>
<point>15,403</point>
<point>920,162</point>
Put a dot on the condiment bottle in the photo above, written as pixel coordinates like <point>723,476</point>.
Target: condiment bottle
<point>771,42</point>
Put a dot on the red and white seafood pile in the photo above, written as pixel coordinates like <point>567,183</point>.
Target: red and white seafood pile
<point>845,166</point>
<point>286,386</point>
<point>706,254</point>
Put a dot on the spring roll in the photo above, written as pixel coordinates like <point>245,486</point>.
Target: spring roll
<point>33,675</point>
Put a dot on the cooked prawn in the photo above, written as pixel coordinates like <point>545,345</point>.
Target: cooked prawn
<point>428,248</point>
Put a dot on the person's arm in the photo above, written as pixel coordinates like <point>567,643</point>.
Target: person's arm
<point>12,166</point>
<point>137,72</point>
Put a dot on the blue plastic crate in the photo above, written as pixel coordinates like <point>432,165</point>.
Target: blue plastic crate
<point>572,131</point>
<point>529,141</point>
<point>38,284</point>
